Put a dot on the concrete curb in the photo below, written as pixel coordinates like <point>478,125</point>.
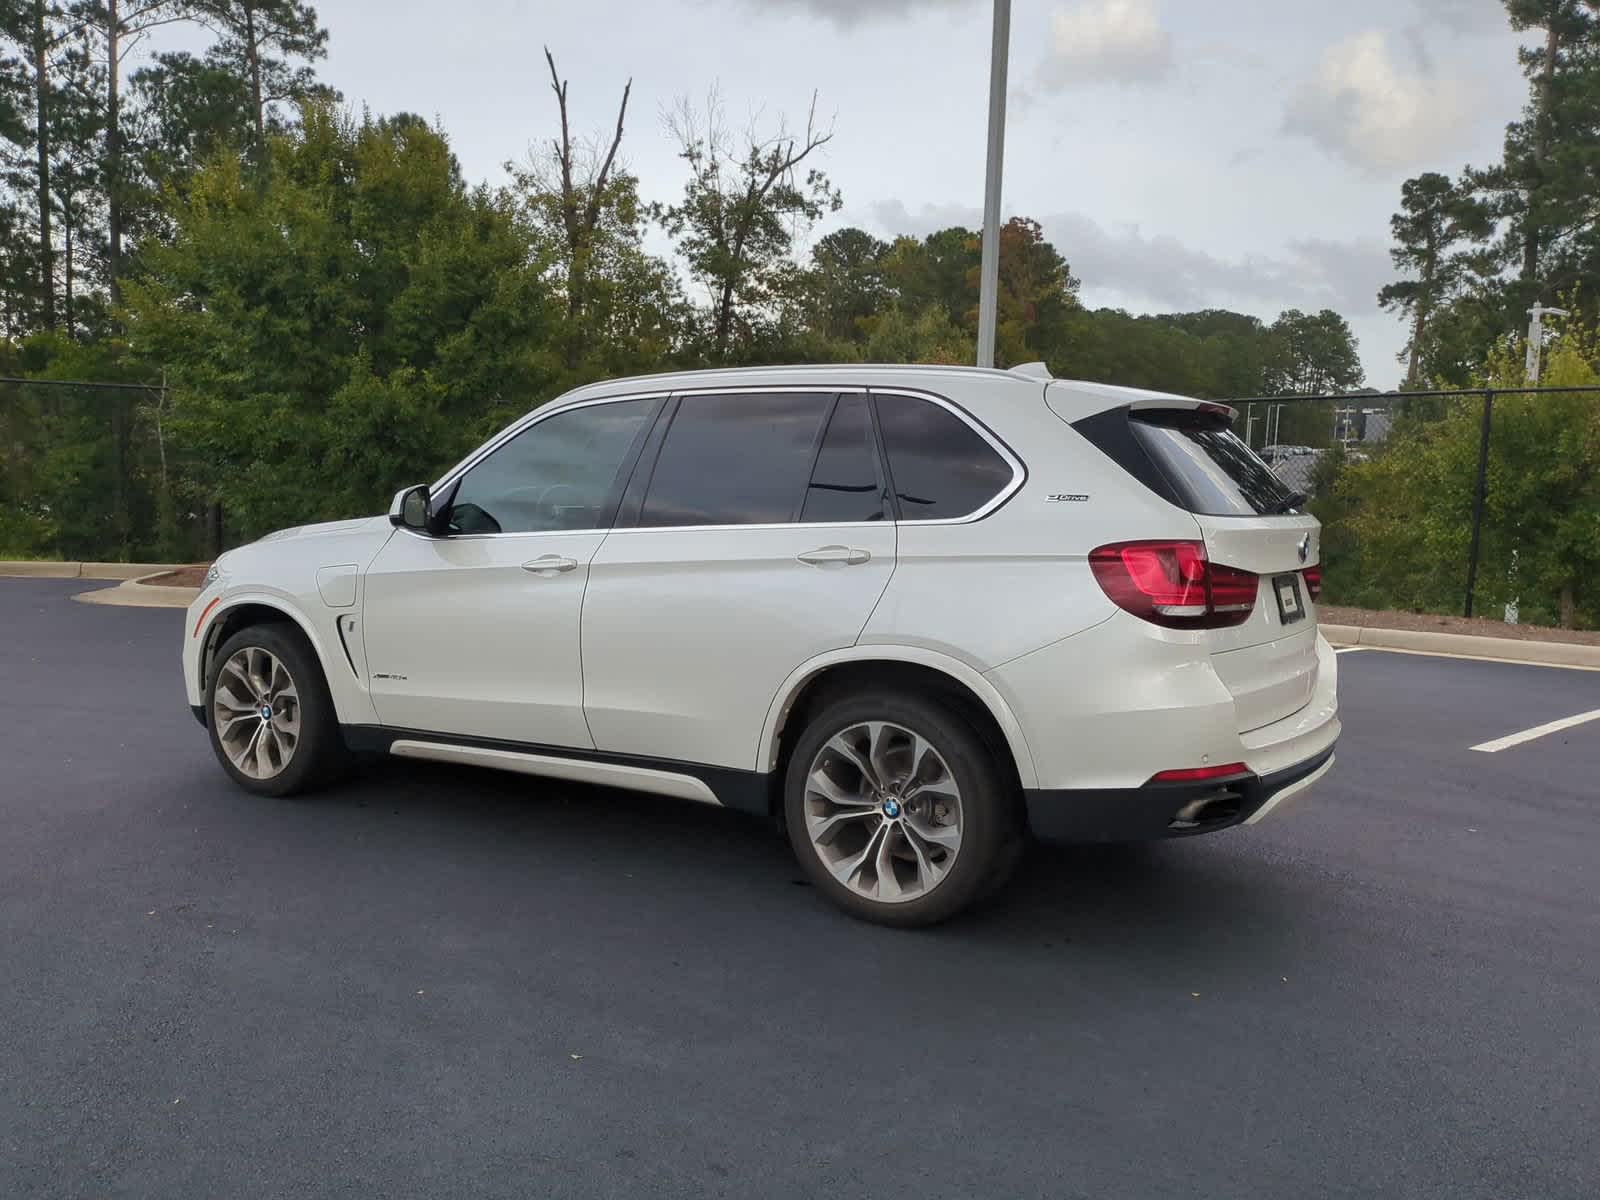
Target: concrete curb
<point>85,570</point>
<point>1552,654</point>
<point>131,593</point>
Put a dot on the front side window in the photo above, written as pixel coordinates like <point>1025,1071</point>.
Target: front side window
<point>738,459</point>
<point>845,483</point>
<point>558,474</point>
<point>942,468</point>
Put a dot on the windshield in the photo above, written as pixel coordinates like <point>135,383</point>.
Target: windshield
<point>1210,468</point>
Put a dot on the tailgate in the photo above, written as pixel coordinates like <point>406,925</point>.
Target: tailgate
<point>1269,663</point>
<point>1186,452</point>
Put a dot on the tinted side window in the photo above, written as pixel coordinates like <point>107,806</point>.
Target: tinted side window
<point>845,484</point>
<point>940,465</point>
<point>736,460</point>
<point>557,474</point>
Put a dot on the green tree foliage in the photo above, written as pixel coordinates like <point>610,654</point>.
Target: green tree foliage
<point>345,327</point>
<point>1435,215</point>
<point>743,205</point>
<point>1317,353</point>
<point>262,41</point>
<point>625,310</point>
<point>1405,515</point>
<point>1476,254</point>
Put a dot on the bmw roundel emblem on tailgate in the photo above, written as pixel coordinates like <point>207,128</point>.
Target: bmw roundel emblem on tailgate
<point>1305,547</point>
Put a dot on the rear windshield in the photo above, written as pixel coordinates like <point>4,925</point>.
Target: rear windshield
<point>1208,466</point>
<point>1213,472</point>
<point>1190,458</point>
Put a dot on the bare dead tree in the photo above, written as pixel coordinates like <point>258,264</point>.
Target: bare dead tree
<point>581,200</point>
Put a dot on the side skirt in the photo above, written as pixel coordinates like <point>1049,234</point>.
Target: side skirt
<point>745,791</point>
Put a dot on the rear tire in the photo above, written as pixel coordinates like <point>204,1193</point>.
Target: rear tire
<point>897,810</point>
<point>271,720</point>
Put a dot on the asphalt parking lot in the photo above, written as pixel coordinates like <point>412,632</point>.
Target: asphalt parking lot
<point>440,982</point>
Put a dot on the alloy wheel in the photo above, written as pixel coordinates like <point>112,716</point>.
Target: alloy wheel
<point>256,712</point>
<point>883,811</point>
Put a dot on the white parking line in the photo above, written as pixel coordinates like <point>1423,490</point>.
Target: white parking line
<point>1538,731</point>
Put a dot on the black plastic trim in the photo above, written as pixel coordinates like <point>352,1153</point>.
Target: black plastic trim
<point>199,711</point>
<point>745,791</point>
<point>1111,432</point>
<point>644,467</point>
<point>1145,813</point>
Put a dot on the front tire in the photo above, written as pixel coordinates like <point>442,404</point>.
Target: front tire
<point>271,720</point>
<point>896,809</point>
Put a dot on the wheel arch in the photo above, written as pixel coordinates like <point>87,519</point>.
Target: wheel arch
<point>240,612</point>
<point>911,666</point>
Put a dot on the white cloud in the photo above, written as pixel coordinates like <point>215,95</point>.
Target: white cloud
<point>859,12</point>
<point>1126,267</point>
<point>1361,106</point>
<point>1463,16</point>
<point>1099,40</point>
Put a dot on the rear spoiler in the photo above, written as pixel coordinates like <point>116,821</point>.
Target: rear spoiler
<point>1207,407</point>
<point>1072,401</point>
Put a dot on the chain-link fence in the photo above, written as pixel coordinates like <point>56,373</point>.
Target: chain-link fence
<point>89,472</point>
<point>1476,502</point>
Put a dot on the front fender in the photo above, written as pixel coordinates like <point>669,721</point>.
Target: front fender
<point>315,620</point>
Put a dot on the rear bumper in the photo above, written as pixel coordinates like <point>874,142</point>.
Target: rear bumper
<point>1152,812</point>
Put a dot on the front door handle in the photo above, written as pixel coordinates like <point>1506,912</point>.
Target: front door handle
<point>826,555</point>
<point>550,565</point>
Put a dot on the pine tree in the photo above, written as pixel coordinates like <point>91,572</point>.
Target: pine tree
<point>258,39</point>
<point>1436,216</point>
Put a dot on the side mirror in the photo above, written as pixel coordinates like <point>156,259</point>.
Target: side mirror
<point>412,508</point>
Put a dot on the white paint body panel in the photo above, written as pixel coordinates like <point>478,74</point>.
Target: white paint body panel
<point>689,634</point>
<point>692,645</point>
<point>460,638</point>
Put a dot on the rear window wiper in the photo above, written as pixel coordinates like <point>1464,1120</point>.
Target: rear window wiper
<point>1288,504</point>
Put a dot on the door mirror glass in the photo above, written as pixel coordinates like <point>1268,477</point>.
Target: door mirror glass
<point>412,508</point>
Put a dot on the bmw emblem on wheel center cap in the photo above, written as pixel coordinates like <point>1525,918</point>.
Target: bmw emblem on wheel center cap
<point>266,712</point>
<point>891,808</point>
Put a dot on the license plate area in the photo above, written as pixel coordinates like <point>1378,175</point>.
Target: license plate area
<point>1291,607</point>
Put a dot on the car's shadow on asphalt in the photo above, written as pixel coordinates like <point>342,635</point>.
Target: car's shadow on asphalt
<point>1195,899</point>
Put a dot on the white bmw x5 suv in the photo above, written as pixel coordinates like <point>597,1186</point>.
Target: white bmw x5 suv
<point>918,612</point>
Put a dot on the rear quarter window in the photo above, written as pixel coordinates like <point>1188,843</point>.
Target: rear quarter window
<point>942,468</point>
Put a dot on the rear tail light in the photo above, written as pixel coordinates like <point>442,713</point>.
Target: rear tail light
<point>1194,774</point>
<point>1314,582</point>
<point>1174,584</point>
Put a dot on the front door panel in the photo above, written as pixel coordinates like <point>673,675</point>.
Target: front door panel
<point>462,638</point>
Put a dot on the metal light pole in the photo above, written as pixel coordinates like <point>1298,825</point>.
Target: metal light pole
<point>989,294</point>
<point>1531,365</point>
<point>1536,338</point>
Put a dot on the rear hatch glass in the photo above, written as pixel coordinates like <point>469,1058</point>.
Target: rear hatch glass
<point>1208,466</point>
<point>1250,521</point>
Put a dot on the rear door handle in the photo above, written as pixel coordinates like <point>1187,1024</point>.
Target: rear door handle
<point>846,555</point>
<point>550,565</point>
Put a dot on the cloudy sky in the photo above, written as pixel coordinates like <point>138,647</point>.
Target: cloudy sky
<point>1181,153</point>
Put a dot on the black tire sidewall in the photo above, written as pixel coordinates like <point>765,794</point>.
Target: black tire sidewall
<point>318,724</point>
<point>984,805</point>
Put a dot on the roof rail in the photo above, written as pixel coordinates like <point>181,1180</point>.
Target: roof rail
<point>1032,370</point>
